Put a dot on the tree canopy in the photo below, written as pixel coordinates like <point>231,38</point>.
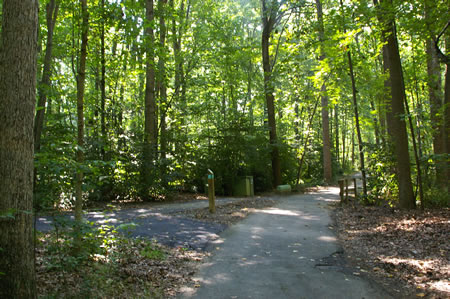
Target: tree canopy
<point>174,88</point>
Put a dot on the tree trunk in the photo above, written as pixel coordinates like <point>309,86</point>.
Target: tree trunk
<point>336,133</point>
<point>327,168</point>
<point>306,143</point>
<point>150,125</point>
<point>447,112</point>
<point>269,16</point>
<point>103,86</point>
<point>344,133</point>
<point>18,55</point>
<point>436,100</point>
<point>81,81</point>
<point>395,120</point>
<point>44,85</point>
<point>162,89</point>
<point>358,128</point>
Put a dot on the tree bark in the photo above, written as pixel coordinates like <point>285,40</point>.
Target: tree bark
<point>447,113</point>
<point>104,138</point>
<point>162,89</point>
<point>436,100</point>
<point>395,120</point>
<point>44,86</point>
<point>358,128</point>
<point>150,125</point>
<point>81,81</point>
<point>336,132</point>
<point>306,143</point>
<point>356,111</point>
<point>18,56</point>
<point>327,167</point>
<point>268,19</point>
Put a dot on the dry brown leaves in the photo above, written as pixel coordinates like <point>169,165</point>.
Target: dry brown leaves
<point>410,247</point>
<point>229,213</point>
<point>126,274</point>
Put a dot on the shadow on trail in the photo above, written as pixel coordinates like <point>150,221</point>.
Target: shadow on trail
<point>287,251</point>
<point>174,231</point>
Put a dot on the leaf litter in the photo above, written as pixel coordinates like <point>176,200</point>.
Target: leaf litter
<point>408,251</point>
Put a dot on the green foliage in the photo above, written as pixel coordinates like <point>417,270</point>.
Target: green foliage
<point>215,111</point>
<point>152,253</point>
<point>382,181</point>
<point>435,198</point>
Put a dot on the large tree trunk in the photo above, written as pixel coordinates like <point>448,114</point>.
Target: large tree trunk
<point>327,167</point>
<point>150,125</point>
<point>18,55</point>
<point>268,17</point>
<point>81,81</point>
<point>44,85</point>
<point>395,113</point>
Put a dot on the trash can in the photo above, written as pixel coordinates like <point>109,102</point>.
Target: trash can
<point>244,186</point>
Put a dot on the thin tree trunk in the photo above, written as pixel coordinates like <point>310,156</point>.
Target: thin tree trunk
<point>336,132</point>
<point>81,81</point>
<point>358,128</point>
<point>44,85</point>
<point>301,160</point>
<point>268,18</point>
<point>327,168</point>
<point>344,133</point>
<point>416,156</point>
<point>353,147</point>
<point>103,86</point>
<point>18,56</point>
<point>396,123</point>
<point>375,124</point>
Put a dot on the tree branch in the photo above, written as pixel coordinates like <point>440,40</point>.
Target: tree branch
<point>442,57</point>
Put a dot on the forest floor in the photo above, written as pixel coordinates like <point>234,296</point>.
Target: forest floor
<point>408,252</point>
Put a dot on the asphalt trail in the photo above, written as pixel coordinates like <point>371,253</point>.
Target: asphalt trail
<point>154,223</point>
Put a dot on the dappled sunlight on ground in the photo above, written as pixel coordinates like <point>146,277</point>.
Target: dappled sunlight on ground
<point>327,238</point>
<point>284,212</point>
<point>275,211</point>
<point>422,266</point>
<point>411,246</point>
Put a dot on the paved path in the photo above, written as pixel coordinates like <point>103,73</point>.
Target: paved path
<point>288,251</point>
<point>154,223</point>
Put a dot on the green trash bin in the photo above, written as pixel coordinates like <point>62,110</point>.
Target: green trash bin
<point>244,186</point>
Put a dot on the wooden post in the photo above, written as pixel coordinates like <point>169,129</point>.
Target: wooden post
<point>346,190</point>
<point>211,192</point>
<point>341,190</point>
<point>356,189</point>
